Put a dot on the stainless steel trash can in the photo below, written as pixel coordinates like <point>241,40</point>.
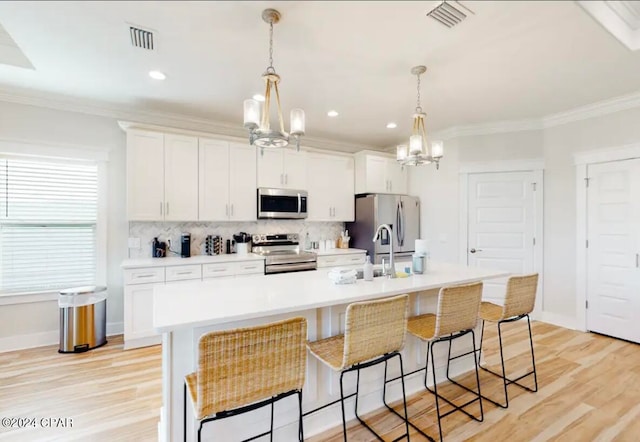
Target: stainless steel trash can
<point>83,318</point>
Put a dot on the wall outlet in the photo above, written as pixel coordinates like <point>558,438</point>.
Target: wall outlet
<point>134,243</point>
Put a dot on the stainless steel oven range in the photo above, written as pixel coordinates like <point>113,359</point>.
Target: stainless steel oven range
<point>283,253</point>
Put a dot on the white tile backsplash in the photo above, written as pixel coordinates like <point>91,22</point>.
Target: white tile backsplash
<point>146,231</point>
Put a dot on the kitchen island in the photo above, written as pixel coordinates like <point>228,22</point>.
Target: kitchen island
<point>184,311</point>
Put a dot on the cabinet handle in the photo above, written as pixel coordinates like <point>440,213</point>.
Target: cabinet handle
<point>161,207</point>
<point>286,178</point>
<point>637,260</point>
<point>231,209</point>
<point>281,178</point>
<point>355,259</point>
<point>390,186</point>
<point>226,209</point>
<point>250,267</point>
<point>148,275</point>
<point>184,273</point>
<point>217,270</point>
<point>167,208</point>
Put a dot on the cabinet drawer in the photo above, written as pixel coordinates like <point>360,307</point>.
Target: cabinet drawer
<point>354,259</point>
<point>181,273</point>
<point>143,275</point>
<point>328,261</point>
<point>249,267</point>
<point>218,270</point>
<point>340,260</point>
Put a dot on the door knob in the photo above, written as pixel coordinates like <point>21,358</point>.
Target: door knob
<point>475,250</point>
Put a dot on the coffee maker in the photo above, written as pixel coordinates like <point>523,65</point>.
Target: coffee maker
<point>185,245</point>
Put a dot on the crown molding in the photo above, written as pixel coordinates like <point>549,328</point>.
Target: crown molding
<point>157,118</point>
<point>496,127</point>
<point>200,124</point>
<point>599,109</point>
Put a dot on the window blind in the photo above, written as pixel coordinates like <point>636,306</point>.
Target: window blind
<point>48,216</point>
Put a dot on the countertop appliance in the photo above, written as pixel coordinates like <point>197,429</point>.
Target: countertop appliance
<point>400,212</point>
<point>185,245</point>
<point>283,253</point>
<point>282,203</point>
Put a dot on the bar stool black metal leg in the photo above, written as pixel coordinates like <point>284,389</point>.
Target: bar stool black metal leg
<point>344,419</point>
<point>300,428</point>
<point>404,396</point>
<point>533,358</point>
<point>504,372</point>
<point>473,337</point>
<point>435,390</point>
<point>271,427</point>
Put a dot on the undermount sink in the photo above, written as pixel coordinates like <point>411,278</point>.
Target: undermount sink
<point>376,273</point>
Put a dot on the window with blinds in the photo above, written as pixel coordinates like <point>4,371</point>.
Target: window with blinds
<point>48,216</point>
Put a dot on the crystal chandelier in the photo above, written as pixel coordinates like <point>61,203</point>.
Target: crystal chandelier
<point>418,152</point>
<point>257,122</point>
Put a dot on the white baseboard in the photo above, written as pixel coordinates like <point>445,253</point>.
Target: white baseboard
<point>41,339</point>
<point>557,319</point>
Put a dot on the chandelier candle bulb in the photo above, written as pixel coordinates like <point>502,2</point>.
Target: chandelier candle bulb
<point>437,149</point>
<point>415,144</point>
<point>251,113</point>
<point>401,152</point>
<point>297,122</point>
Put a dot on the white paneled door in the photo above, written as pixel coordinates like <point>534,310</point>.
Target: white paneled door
<point>501,225</point>
<point>613,232</point>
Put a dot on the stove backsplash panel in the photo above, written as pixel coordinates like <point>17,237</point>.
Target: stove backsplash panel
<point>146,231</point>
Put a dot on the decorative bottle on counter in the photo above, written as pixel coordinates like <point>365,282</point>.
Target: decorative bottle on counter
<point>367,272</point>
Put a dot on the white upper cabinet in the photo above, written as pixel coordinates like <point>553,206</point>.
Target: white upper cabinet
<point>162,176</point>
<point>214,180</point>
<point>282,169</point>
<point>145,175</point>
<point>227,181</point>
<point>377,173</point>
<point>242,182</point>
<point>330,186</point>
<point>180,177</point>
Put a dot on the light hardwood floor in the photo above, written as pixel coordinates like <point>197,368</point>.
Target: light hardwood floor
<point>589,391</point>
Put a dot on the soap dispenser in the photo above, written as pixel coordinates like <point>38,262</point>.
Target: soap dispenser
<point>367,272</point>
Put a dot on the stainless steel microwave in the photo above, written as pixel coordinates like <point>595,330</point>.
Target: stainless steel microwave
<point>282,203</point>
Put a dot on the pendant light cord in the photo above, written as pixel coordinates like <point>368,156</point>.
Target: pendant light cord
<point>271,69</point>
<point>418,106</point>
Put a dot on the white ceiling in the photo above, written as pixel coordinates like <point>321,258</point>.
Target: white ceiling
<point>511,60</point>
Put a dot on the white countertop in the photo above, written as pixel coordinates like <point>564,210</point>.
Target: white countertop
<point>333,252</point>
<point>199,303</point>
<point>198,259</point>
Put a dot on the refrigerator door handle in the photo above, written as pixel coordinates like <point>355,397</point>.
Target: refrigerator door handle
<point>402,221</point>
<point>398,224</point>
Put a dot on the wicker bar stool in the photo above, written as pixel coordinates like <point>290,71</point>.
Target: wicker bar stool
<point>519,301</point>
<point>245,369</point>
<point>375,332</point>
<point>456,316</point>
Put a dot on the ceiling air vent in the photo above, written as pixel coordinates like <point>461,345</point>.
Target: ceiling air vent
<point>141,38</point>
<point>448,14</point>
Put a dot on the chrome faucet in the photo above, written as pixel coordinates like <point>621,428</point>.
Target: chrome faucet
<point>392,272</point>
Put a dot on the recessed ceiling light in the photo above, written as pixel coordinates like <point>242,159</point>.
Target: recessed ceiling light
<point>157,75</point>
<point>332,113</point>
<point>391,125</point>
<point>258,97</point>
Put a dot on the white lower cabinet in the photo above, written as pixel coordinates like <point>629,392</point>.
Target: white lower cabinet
<point>138,316</point>
<point>140,282</point>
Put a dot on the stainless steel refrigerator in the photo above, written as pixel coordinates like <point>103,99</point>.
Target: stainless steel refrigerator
<point>401,212</point>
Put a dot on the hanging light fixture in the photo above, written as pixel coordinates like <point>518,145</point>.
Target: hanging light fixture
<point>257,122</point>
<point>418,152</point>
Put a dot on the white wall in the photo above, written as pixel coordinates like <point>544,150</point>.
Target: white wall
<point>439,191</point>
<point>560,143</point>
<point>38,125</point>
